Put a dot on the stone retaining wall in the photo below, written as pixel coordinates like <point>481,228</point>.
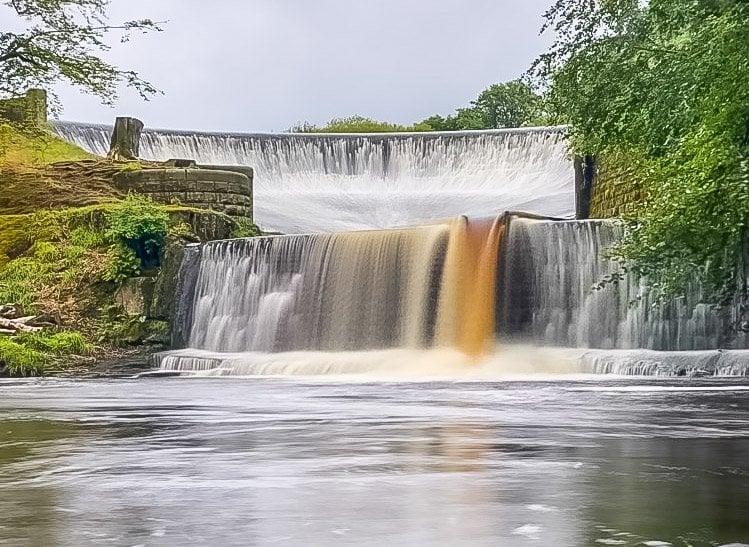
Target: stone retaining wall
<point>615,194</point>
<point>29,110</point>
<point>212,188</point>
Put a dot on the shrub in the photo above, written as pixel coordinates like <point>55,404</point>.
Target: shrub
<point>20,360</point>
<point>59,343</point>
<point>139,225</point>
<point>122,263</point>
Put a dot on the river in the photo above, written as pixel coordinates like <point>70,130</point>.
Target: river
<point>569,461</point>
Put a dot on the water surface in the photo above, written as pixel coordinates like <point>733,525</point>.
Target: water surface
<point>205,461</point>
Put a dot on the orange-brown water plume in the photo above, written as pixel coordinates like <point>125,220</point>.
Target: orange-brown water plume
<point>466,318</point>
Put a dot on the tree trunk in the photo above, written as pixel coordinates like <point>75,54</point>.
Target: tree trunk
<point>125,143</point>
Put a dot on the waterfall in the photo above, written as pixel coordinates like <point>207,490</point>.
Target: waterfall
<point>311,183</point>
<point>549,298</point>
<point>331,292</point>
<point>437,298</point>
<point>399,289</point>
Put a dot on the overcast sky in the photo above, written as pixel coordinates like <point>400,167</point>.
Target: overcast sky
<point>264,65</point>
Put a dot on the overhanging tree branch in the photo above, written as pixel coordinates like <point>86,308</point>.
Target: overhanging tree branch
<point>63,42</point>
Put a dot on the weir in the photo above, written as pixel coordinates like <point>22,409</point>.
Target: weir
<point>361,302</point>
<point>309,183</point>
<point>475,292</point>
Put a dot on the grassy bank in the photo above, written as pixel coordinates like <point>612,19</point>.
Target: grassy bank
<point>68,240</point>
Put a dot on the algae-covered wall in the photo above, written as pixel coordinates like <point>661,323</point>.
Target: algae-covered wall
<point>228,192</point>
<point>29,110</point>
<point>615,193</point>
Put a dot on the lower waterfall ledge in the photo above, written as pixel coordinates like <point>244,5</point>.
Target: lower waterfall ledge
<point>506,362</point>
<point>640,362</point>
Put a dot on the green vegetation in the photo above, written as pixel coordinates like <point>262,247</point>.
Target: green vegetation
<point>70,261</point>
<point>58,40</point>
<point>32,354</point>
<point>137,228</point>
<point>660,93</point>
<point>33,147</point>
<point>245,228</point>
<point>510,104</point>
<point>357,124</point>
<point>20,360</point>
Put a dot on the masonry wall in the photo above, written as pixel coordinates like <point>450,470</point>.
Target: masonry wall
<point>615,193</point>
<point>220,190</point>
<point>30,110</point>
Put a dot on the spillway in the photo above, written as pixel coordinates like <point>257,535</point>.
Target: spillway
<point>443,285</point>
<point>311,183</point>
<point>481,298</point>
<point>550,298</point>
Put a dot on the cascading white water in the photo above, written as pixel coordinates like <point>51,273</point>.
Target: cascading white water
<point>374,301</point>
<point>308,183</point>
<point>549,295</point>
<point>352,291</point>
<point>407,301</point>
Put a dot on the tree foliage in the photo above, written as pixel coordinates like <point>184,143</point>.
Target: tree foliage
<point>659,91</point>
<point>61,40</point>
<point>509,104</point>
<point>356,124</point>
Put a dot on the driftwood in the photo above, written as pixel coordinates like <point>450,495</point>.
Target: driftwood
<point>125,142</point>
<point>17,326</point>
<point>10,311</point>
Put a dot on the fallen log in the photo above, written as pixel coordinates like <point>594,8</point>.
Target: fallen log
<point>41,320</point>
<point>10,324</point>
<point>10,311</point>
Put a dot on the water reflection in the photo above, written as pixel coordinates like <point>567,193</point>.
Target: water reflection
<point>241,462</point>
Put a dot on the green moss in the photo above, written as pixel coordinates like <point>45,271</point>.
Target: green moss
<point>35,147</point>
<point>131,166</point>
<point>59,343</point>
<point>20,360</point>
<point>244,227</point>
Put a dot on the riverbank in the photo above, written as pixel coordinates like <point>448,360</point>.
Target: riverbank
<point>81,252</point>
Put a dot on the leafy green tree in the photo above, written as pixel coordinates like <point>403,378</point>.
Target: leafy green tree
<point>357,124</point>
<point>438,123</point>
<point>509,104</point>
<point>659,92</point>
<point>61,40</point>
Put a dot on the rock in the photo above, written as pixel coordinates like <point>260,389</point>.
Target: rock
<point>135,295</point>
<point>158,374</point>
<point>11,311</point>
<point>166,283</point>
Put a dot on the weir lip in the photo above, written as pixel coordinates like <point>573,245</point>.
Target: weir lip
<point>312,183</point>
<point>551,129</point>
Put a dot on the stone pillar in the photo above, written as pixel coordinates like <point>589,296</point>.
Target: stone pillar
<point>585,169</point>
<point>125,142</point>
<point>29,110</point>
